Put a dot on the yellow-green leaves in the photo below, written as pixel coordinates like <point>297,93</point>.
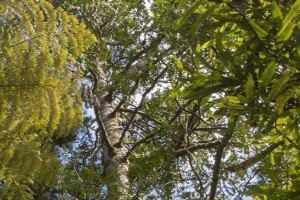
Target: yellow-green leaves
<point>203,14</point>
<point>184,68</point>
<point>231,102</point>
<point>187,14</point>
<point>38,48</point>
<point>285,35</point>
<point>258,29</point>
<point>276,12</point>
<point>287,23</point>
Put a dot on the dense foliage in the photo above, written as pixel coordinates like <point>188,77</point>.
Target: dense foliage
<point>39,99</point>
<point>247,67</point>
<point>183,99</point>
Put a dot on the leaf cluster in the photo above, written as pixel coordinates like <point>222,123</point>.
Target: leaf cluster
<point>39,92</point>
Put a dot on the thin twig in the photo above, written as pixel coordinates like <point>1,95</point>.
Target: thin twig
<point>251,161</point>
<point>144,140</point>
<point>140,106</point>
<point>258,37</point>
<point>192,113</point>
<point>187,150</point>
<point>142,114</point>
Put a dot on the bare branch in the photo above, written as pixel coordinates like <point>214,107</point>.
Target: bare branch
<point>144,140</point>
<point>192,113</point>
<point>191,149</point>
<point>208,129</point>
<point>142,114</point>
<point>218,157</point>
<point>140,106</point>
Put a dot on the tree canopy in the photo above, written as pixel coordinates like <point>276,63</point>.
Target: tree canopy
<point>183,99</point>
<point>247,69</point>
<point>39,98</point>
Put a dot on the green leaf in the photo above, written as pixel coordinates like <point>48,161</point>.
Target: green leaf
<point>242,99</point>
<point>198,48</point>
<point>267,76</point>
<point>294,11</point>
<point>272,159</point>
<point>276,12</point>
<point>233,99</point>
<point>259,31</point>
<point>279,105</point>
<point>250,88</point>
<point>287,33</point>
<point>186,69</point>
<point>203,16</point>
<point>187,14</point>
<point>293,173</point>
<point>280,85</point>
<point>208,43</point>
<point>224,56</point>
<point>202,91</point>
<point>225,103</point>
<point>219,44</point>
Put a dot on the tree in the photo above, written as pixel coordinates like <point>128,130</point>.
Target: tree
<point>238,75</point>
<point>191,100</point>
<point>39,93</point>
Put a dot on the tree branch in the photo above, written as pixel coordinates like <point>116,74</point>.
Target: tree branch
<point>255,159</point>
<point>210,129</point>
<point>191,149</point>
<point>145,50</point>
<point>133,89</point>
<point>140,113</point>
<point>192,113</point>
<point>218,157</point>
<point>139,106</point>
<point>144,140</point>
<point>103,131</point>
<point>98,115</point>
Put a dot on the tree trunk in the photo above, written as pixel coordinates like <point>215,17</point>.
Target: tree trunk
<point>115,167</point>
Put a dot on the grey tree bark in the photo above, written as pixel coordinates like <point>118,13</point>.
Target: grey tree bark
<point>115,165</point>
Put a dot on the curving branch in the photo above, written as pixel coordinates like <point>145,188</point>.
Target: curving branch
<point>251,161</point>
<point>137,144</point>
<point>98,116</point>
